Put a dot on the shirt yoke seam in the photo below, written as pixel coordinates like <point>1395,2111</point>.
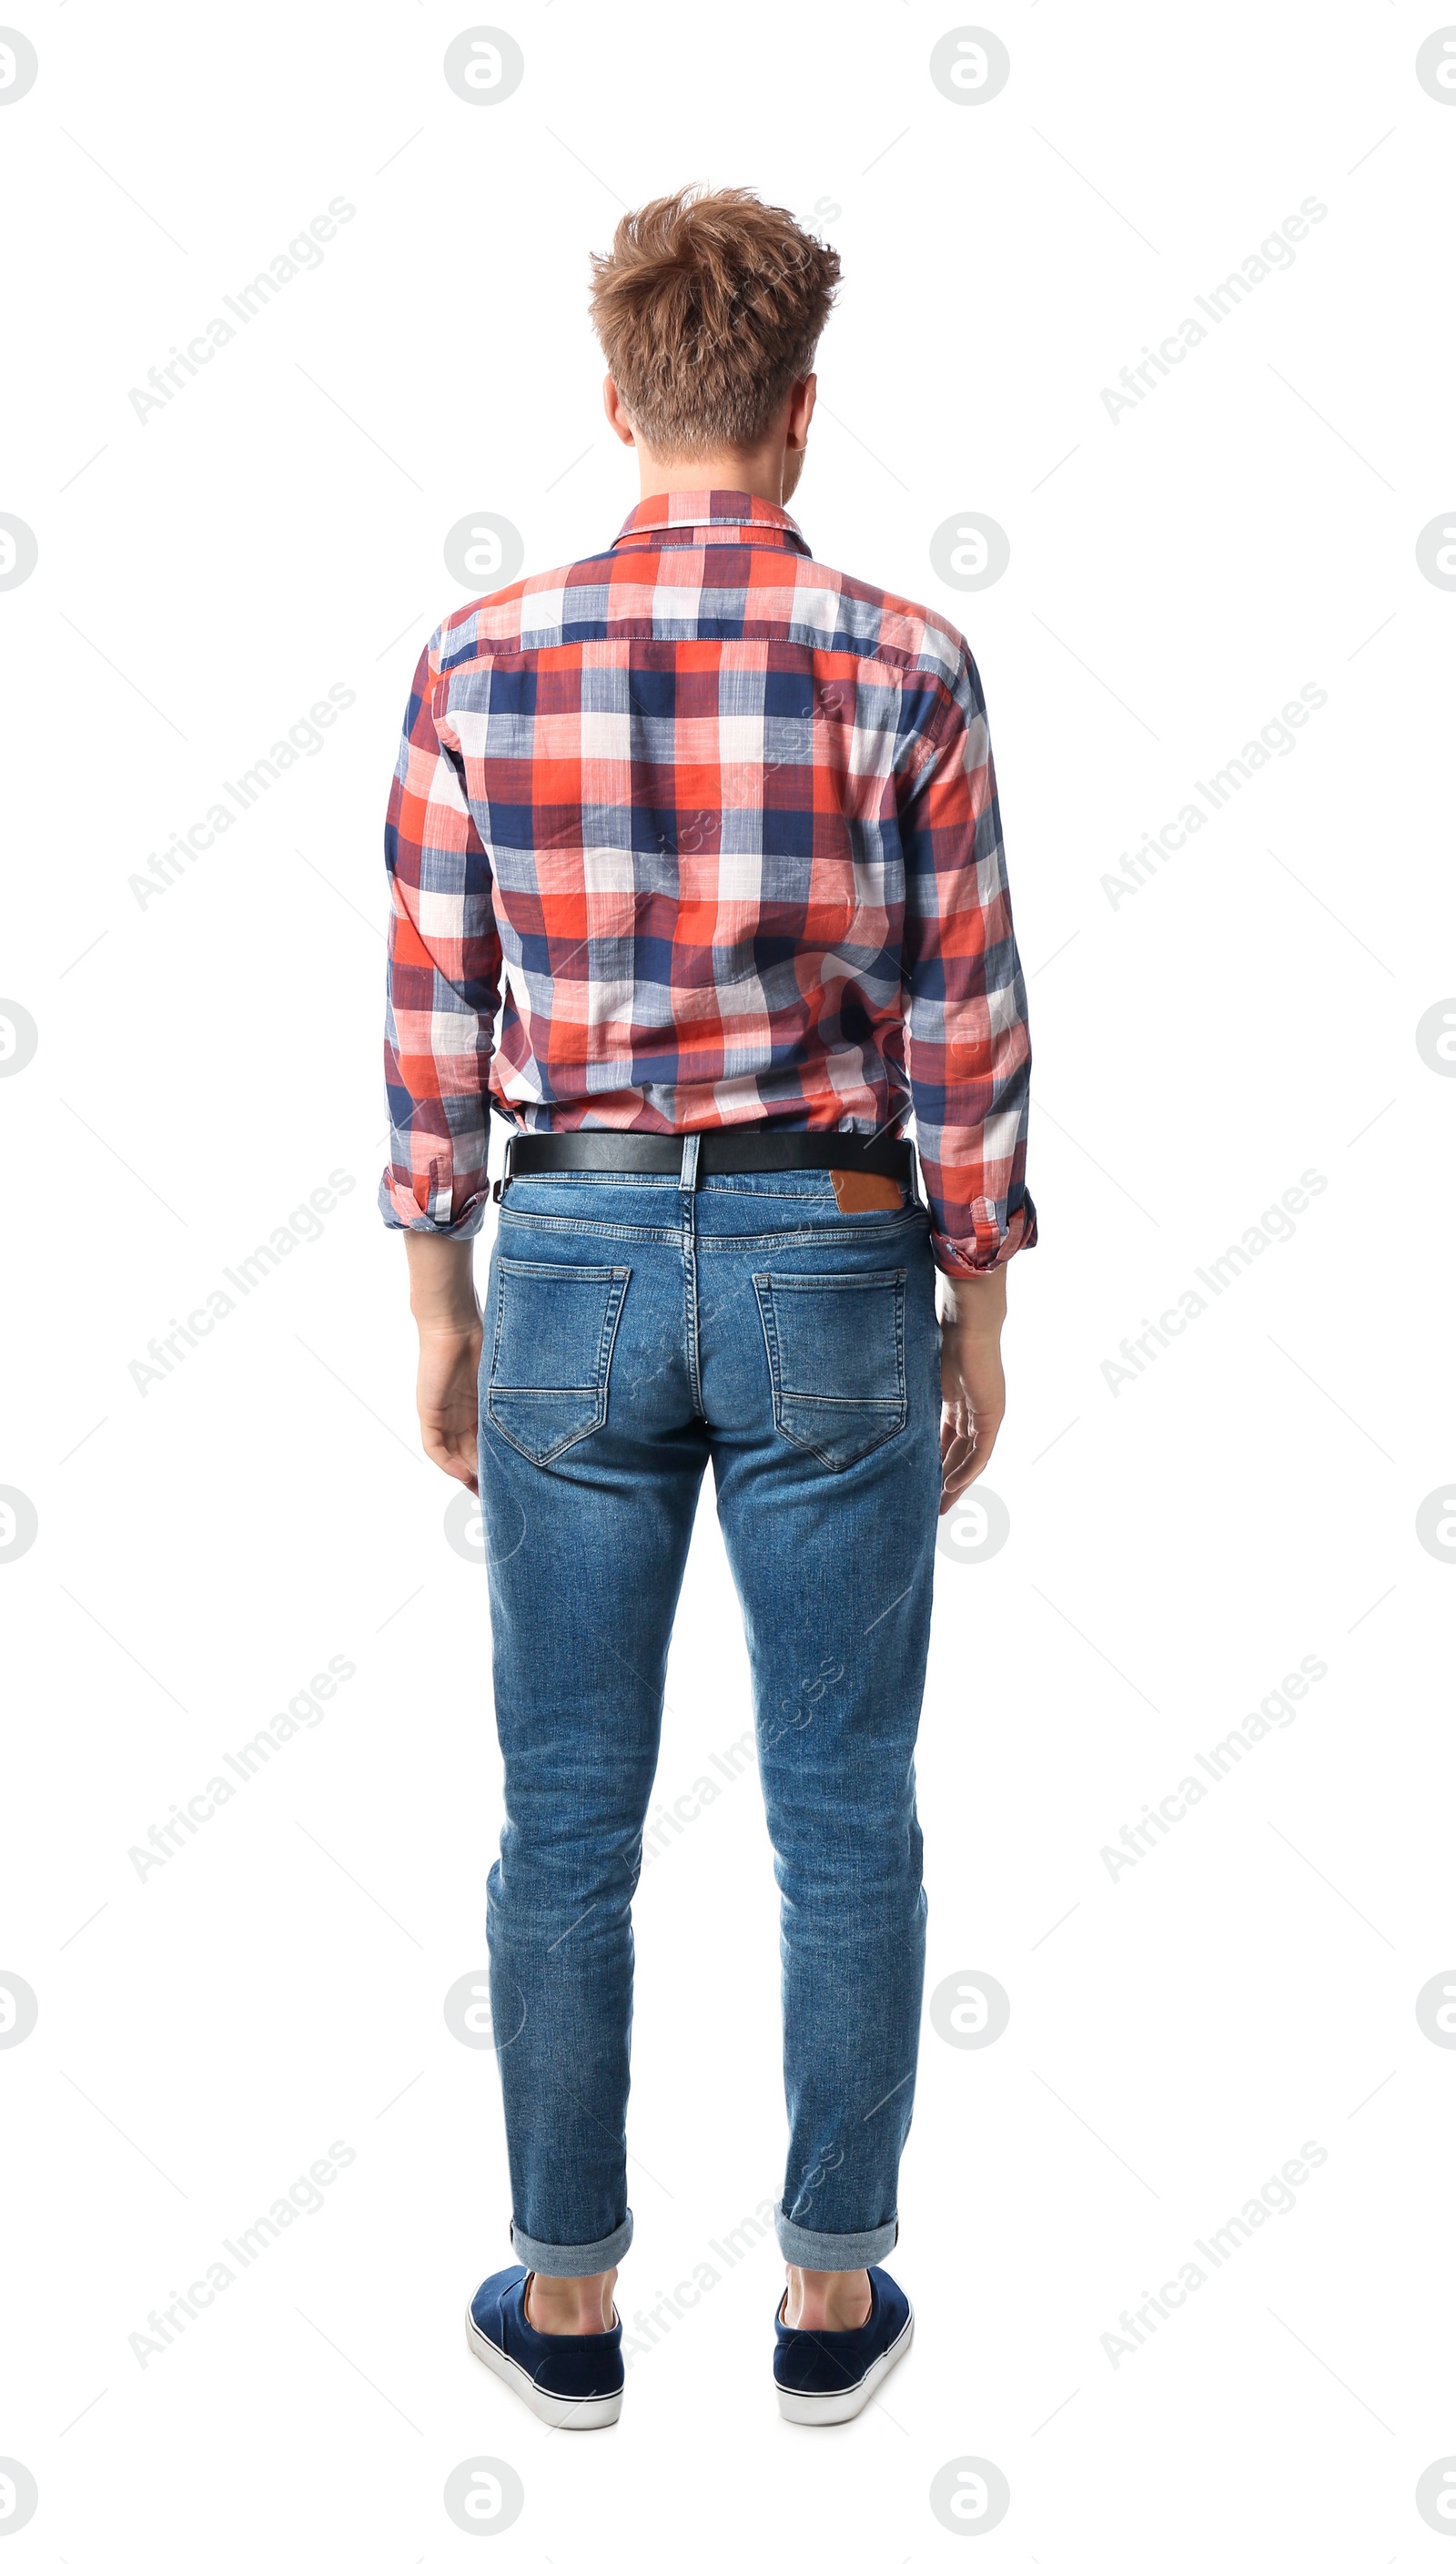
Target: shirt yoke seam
<point>897,663</point>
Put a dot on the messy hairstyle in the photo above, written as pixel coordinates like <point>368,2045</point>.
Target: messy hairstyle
<point>709,306</point>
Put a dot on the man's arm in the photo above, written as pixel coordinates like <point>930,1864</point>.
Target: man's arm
<point>444,974</point>
<point>969,1061</point>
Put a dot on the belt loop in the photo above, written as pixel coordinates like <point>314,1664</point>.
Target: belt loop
<point>506,1167</point>
<point>688,1179</point>
<point>917,1192</point>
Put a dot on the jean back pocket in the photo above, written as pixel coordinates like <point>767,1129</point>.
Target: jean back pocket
<point>836,1360</point>
<point>551,1353</point>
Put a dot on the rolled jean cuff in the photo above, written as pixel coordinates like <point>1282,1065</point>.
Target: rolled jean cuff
<point>810,2251</point>
<point>571,2260</point>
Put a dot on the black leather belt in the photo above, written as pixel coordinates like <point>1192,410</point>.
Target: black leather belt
<point>762,1149</point>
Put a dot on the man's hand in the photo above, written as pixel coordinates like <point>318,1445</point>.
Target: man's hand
<point>443,1298</point>
<point>973,1383</point>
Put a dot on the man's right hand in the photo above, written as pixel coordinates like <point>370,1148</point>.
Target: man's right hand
<point>973,1383</point>
<point>445,1394</point>
<point>443,1298</point>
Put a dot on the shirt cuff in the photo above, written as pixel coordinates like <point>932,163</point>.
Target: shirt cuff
<point>398,1208</point>
<point>990,1246</point>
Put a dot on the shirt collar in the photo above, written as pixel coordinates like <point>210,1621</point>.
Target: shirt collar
<point>707,516</point>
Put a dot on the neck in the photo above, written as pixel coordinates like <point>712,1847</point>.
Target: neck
<point>760,474</point>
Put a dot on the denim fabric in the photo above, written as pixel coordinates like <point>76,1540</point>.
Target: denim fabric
<point>637,1328</point>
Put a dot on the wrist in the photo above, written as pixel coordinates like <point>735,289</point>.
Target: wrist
<point>453,1321</point>
<point>442,1290</point>
<point>973,1304</point>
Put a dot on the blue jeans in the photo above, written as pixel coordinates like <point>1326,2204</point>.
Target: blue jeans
<point>636,1328</point>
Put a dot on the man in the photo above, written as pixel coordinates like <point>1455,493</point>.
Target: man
<point>720,828</point>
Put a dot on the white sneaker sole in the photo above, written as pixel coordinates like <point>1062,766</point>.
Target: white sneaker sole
<point>846,2402</point>
<point>564,2412</point>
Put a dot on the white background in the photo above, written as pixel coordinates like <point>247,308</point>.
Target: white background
<point>205,1060</point>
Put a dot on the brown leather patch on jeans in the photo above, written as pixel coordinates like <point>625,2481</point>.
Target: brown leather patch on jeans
<point>854,1191</point>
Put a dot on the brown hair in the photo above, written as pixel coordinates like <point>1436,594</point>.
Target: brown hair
<point>709,306</point>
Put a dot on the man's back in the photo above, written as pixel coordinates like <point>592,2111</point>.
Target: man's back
<point>724,822</point>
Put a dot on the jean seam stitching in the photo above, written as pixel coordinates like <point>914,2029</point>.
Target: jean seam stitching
<point>827,1460</point>
<point>821,1235</point>
<point>688,1232</point>
<point>598,1391</point>
<point>897,1404</point>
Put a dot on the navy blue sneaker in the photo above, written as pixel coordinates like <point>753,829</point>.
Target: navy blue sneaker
<point>830,2376</point>
<point>572,2380</point>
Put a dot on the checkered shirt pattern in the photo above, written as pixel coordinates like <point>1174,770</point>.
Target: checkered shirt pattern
<point>713,830</point>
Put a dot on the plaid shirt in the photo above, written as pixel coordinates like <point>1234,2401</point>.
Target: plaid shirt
<point>726,821</point>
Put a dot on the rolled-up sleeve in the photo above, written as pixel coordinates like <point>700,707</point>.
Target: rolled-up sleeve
<point>443,982</point>
<point>969,1047</point>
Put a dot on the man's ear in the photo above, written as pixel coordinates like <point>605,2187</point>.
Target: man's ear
<point>801,410</point>
<point>617,419</point>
